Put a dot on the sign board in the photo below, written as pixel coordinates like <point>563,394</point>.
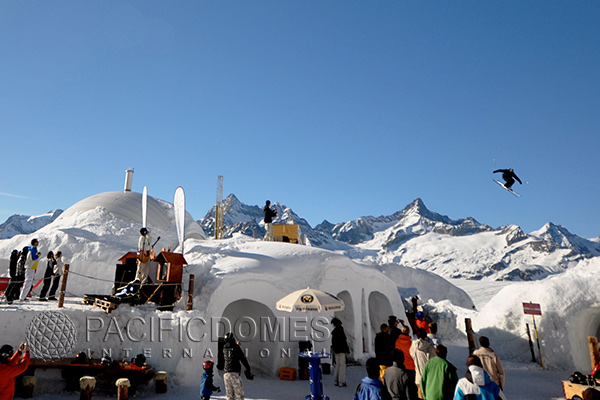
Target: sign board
<point>532,308</point>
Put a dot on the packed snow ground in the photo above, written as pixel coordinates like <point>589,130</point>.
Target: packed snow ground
<point>525,380</point>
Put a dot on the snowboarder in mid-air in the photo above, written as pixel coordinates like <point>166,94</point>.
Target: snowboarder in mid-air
<point>509,177</point>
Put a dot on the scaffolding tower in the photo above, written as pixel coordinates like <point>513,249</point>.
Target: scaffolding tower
<point>219,209</point>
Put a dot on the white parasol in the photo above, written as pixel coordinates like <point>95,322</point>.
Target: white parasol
<point>310,300</point>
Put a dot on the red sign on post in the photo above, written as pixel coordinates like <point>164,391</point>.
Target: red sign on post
<point>532,308</point>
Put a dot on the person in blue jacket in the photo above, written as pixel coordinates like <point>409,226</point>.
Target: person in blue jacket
<point>477,384</point>
<point>370,387</point>
<point>207,386</point>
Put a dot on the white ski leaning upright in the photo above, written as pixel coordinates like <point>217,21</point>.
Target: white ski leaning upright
<point>507,189</point>
<point>144,206</point>
<point>179,208</point>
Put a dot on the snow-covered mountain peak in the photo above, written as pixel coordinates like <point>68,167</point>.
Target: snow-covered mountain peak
<point>24,225</point>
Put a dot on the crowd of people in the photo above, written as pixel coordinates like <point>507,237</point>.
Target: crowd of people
<point>23,266</point>
<point>416,368</point>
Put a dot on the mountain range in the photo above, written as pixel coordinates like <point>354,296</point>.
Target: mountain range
<point>23,224</point>
<point>419,238</point>
<point>414,237</point>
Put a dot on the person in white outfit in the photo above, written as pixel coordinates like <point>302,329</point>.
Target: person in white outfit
<point>31,264</point>
<point>144,248</point>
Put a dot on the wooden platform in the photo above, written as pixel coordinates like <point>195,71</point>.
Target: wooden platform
<point>575,389</point>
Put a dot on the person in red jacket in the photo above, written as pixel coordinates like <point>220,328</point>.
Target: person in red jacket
<point>421,323</point>
<point>11,366</point>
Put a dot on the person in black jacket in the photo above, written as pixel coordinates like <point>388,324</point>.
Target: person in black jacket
<point>50,263</point>
<point>339,347</point>
<point>383,348</point>
<point>509,177</point>
<point>12,291</point>
<point>393,330</point>
<point>270,213</point>
<point>233,357</point>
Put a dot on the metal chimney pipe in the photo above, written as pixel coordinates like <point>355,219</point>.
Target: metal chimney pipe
<point>128,179</point>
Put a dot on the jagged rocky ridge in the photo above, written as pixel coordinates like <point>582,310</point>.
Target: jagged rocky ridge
<point>417,237</point>
<point>24,225</point>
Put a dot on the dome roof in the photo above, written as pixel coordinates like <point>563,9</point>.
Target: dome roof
<point>128,206</point>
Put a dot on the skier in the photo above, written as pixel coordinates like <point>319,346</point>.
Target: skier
<point>207,386</point>
<point>31,265</point>
<point>270,213</point>
<point>144,248</point>
<point>509,177</point>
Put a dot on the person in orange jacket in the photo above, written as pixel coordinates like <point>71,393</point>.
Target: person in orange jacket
<point>403,344</point>
<point>11,366</point>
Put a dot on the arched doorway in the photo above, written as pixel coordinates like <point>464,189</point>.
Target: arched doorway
<point>380,309</point>
<point>247,319</point>
<point>347,317</point>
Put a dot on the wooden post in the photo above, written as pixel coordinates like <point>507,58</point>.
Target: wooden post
<point>28,386</point>
<point>87,385</point>
<point>537,339</point>
<point>63,287</point>
<point>470,335</point>
<point>190,302</point>
<point>123,389</point>
<point>530,344</point>
<point>594,353</point>
<point>160,380</point>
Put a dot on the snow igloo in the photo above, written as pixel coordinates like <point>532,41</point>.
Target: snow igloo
<point>249,281</point>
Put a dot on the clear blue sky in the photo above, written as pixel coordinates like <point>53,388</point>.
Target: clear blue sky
<point>337,109</point>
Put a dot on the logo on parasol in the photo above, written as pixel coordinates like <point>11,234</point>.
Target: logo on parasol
<point>307,298</point>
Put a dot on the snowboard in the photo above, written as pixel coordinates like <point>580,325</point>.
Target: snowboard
<point>507,189</point>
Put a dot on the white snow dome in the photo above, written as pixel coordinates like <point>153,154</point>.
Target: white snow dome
<point>128,206</point>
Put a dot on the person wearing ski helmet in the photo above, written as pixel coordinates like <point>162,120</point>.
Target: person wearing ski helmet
<point>421,323</point>
<point>207,386</point>
<point>144,249</point>
<point>509,177</point>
